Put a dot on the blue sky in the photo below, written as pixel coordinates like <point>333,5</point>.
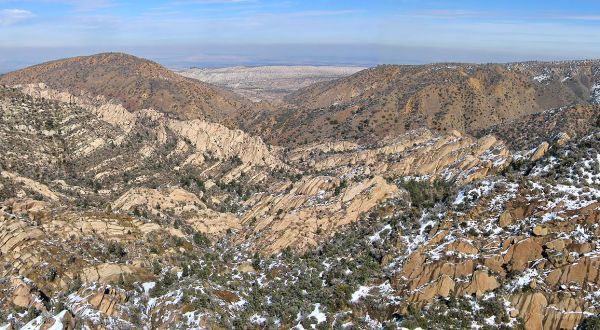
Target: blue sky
<point>249,32</point>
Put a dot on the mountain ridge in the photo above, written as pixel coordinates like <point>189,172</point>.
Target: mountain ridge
<point>389,99</point>
<point>137,84</point>
<point>371,104</point>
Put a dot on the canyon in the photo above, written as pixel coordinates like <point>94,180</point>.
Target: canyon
<point>440,196</point>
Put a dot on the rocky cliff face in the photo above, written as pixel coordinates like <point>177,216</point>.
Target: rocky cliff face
<point>203,137</point>
<point>303,213</point>
<point>420,153</point>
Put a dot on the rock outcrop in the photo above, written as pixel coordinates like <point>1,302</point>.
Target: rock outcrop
<point>310,210</point>
<point>107,300</point>
<point>127,215</point>
<point>540,151</point>
<point>419,153</point>
<point>531,309</point>
<point>105,273</point>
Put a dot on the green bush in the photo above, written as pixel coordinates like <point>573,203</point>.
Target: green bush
<point>425,194</point>
<point>590,323</point>
<point>201,239</point>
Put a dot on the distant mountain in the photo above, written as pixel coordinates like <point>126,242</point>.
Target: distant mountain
<point>390,99</point>
<point>137,84</point>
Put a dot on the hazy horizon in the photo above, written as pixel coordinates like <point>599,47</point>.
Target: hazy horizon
<point>222,33</point>
<point>221,56</point>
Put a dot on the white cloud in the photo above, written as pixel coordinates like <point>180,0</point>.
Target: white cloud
<point>452,13</point>
<point>14,16</point>
<point>77,5</point>
<point>584,18</point>
<point>316,13</point>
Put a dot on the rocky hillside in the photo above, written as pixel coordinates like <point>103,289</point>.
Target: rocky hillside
<point>136,84</point>
<point>121,217</point>
<point>388,100</point>
<point>527,132</point>
<point>365,107</point>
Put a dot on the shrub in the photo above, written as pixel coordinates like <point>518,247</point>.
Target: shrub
<point>424,194</point>
<point>590,323</point>
<point>115,249</point>
<point>201,239</point>
<point>51,274</point>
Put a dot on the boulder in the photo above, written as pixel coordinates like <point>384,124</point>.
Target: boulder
<point>440,288</point>
<point>63,321</point>
<point>566,314</point>
<point>505,219</point>
<point>562,138</point>
<point>540,230</point>
<point>521,253</point>
<point>581,248</point>
<point>105,273</point>
<point>462,247</point>
<point>540,151</point>
<point>26,295</point>
<point>558,244</point>
<point>587,269</point>
<point>531,308</point>
<point>107,300</point>
<point>481,282</point>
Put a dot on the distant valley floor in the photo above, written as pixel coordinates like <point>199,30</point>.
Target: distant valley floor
<point>269,83</point>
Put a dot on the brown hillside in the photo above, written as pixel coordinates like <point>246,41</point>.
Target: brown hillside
<point>390,99</point>
<point>137,84</point>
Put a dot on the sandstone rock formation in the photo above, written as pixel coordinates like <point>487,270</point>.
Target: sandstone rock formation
<point>420,153</point>
<point>105,273</point>
<point>311,209</point>
<point>540,151</point>
<point>107,300</point>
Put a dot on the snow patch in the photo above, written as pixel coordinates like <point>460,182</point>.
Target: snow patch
<point>36,323</point>
<point>524,279</point>
<point>377,235</point>
<point>148,286</point>
<point>483,189</point>
<point>362,292</point>
<point>595,93</point>
<point>317,314</point>
<point>542,77</point>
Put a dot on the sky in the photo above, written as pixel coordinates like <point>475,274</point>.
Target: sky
<point>213,33</point>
